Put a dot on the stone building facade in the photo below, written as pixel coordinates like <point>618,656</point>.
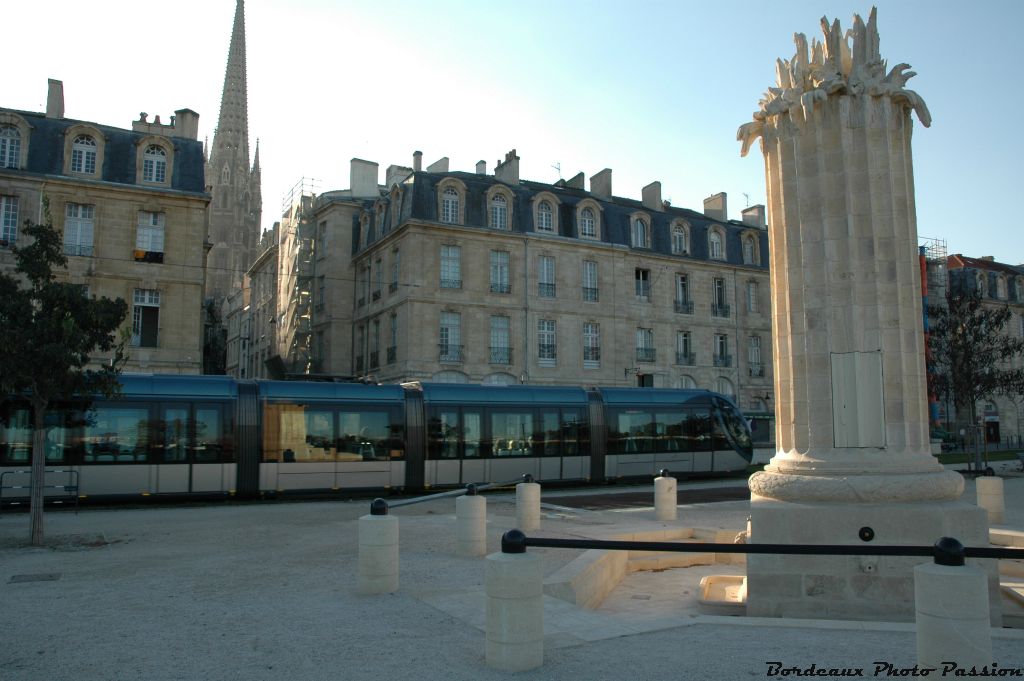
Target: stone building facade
<point>131,205</point>
<point>486,278</point>
<point>1002,285</point>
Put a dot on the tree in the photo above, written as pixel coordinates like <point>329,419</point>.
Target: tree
<point>50,328</point>
<point>971,352</point>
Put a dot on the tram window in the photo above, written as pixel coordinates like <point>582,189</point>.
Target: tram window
<point>319,435</point>
<point>368,435</point>
<point>633,432</point>
<point>697,429</point>
<point>297,433</point>
<point>670,431</point>
<point>574,430</point>
<point>117,434</point>
<point>15,436</point>
<point>512,433</point>
<point>210,438</point>
<point>550,432</point>
<point>444,435</point>
<point>173,432</point>
<point>472,427</point>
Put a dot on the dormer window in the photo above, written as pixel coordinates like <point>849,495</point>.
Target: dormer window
<point>715,250</point>
<point>680,241</point>
<point>83,155</point>
<point>640,234</point>
<point>154,164</point>
<point>749,257</point>
<point>10,146</point>
<point>499,212</point>
<point>544,221</point>
<point>450,206</point>
<point>588,229</point>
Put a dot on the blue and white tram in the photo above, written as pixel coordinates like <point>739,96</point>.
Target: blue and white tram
<point>204,435</point>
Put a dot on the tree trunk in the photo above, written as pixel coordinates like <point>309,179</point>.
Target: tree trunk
<point>38,473</point>
<point>978,431</point>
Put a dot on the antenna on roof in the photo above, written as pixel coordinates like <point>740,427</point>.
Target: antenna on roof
<point>558,166</point>
<point>747,197</point>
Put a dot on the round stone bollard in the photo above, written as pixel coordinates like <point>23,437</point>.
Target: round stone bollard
<point>665,499</point>
<point>990,497</point>
<point>952,612</point>
<point>515,611</point>
<point>471,525</point>
<point>378,551</point>
<point>528,505</point>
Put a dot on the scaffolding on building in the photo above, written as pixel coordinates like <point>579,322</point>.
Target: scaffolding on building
<point>296,252</point>
<point>935,255</point>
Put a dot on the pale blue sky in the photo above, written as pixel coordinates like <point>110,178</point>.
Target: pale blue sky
<point>653,90</point>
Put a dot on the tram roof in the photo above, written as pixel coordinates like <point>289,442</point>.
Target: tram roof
<point>322,390</point>
<point>667,396</point>
<point>455,393</point>
<point>177,385</point>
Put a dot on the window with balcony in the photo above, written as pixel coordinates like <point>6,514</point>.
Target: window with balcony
<point>753,304</point>
<point>500,274</point>
<point>683,304</point>
<point>642,280</point>
<point>396,267</point>
<point>645,345</point>
<point>321,292</point>
<point>754,357</point>
<point>378,279</point>
<point>547,350</point>
<point>591,345</point>
<point>78,229</point>
<point>451,267</point>
<point>375,344</point>
<point>590,291</point>
<point>360,349</point>
<point>546,276</point>
<point>684,349</point>
<point>500,348</point>
<point>719,307</point>
<point>450,339</point>
<point>722,357</point>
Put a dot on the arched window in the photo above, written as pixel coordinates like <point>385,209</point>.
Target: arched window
<point>450,377</point>
<point>641,237</point>
<point>544,222</point>
<point>83,155</point>
<point>723,386</point>
<point>680,244</point>
<point>10,146</point>
<point>499,379</point>
<point>715,246</point>
<point>748,251</point>
<point>154,164</point>
<point>1001,288</point>
<point>687,382</point>
<point>450,206</point>
<point>499,212</point>
<point>225,175</point>
<point>1020,289</point>
<point>588,226</point>
<point>980,281</point>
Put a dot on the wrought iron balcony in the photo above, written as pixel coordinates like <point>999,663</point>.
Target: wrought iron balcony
<point>449,353</point>
<point>723,360</point>
<point>392,354</point>
<point>645,354</point>
<point>590,294</point>
<point>718,310</point>
<point>546,290</point>
<point>757,370</point>
<point>686,359</point>
<point>78,249</point>
<point>547,351</point>
<point>591,354</point>
<point>497,287</point>
<point>501,355</point>
<point>684,306</point>
<point>451,283</point>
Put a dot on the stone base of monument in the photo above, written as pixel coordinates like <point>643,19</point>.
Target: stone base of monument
<point>854,587</point>
<point>723,595</point>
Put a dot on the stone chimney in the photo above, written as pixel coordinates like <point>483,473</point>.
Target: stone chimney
<point>438,166</point>
<point>363,179</point>
<point>754,216</point>
<point>576,181</point>
<point>508,170</point>
<point>651,196</point>
<point>715,207</point>
<point>417,161</point>
<point>55,99</point>
<point>186,124</point>
<point>481,167</point>
<point>601,184</point>
<point>396,175</point>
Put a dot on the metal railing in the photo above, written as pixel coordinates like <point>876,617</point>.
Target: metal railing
<point>684,306</point>
<point>381,506</point>
<point>500,354</point>
<point>449,353</point>
<point>70,489</point>
<point>645,354</point>
<point>719,310</point>
<point>723,360</point>
<point>590,294</point>
<point>546,290</point>
<point>686,359</point>
<point>501,287</point>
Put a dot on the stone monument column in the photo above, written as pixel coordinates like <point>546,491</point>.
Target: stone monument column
<point>853,461</point>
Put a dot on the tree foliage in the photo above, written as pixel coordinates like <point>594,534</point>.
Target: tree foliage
<point>50,331</point>
<point>972,352</point>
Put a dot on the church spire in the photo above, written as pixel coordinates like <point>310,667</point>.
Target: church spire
<point>233,124</point>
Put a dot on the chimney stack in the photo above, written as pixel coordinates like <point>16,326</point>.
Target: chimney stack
<point>363,179</point>
<point>417,161</point>
<point>651,197</point>
<point>601,184</point>
<point>55,99</point>
<point>715,207</point>
<point>576,181</point>
<point>754,216</point>
<point>439,166</point>
<point>481,167</point>
<point>186,124</point>
<point>508,170</point>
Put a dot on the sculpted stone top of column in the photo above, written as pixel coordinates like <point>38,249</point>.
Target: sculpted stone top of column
<point>833,67</point>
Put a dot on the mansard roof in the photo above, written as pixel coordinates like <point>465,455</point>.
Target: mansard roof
<point>958,261</point>
<point>46,152</point>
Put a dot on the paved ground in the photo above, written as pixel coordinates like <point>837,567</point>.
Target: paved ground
<point>267,591</point>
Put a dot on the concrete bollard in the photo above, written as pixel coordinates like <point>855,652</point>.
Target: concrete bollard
<point>471,525</point>
<point>378,551</point>
<point>990,497</point>
<point>951,602</point>
<point>665,499</point>
<point>515,610</point>
<point>528,505</point>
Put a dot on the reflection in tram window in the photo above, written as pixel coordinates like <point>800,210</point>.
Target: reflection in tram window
<point>116,434</point>
<point>210,438</point>
<point>574,430</point>
<point>636,431</point>
<point>512,433</point>
<point>472,426</point>
<point>300,433</point>
<point>15,436</point>
<point>444,435</point>
<point>173,432</point>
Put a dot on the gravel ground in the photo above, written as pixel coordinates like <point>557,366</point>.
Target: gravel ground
<point>267,591</point>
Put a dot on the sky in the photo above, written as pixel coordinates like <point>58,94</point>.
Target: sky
<point>654,90</point>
